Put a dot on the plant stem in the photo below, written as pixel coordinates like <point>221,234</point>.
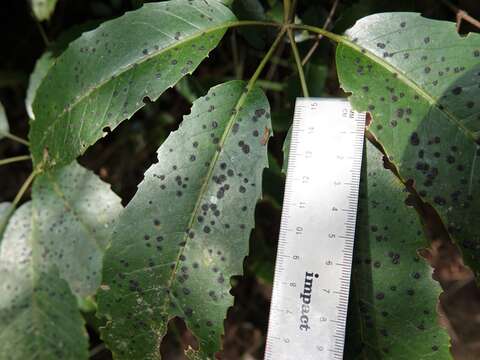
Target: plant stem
<point>271,85</point>
<point>291,13</point>
<point>319,37</point>
<point>251,23</point>
<point>14,159</point>
<point>461,15</point>
<point>323,32</point>
<point>15,138</point>
<point>42,33</point>
<point>286,10</point>
<point>265,59</point>
<point>24,188</point>
<point>298,61</point>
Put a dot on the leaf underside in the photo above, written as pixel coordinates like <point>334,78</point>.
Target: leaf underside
<point>5,213</point>
<point>105,75</point>
<point>186,231</point>
<point>420,81</point>
<point>388,276</point>
<point>52,251</point>
<point>39,318</point>
<point>75,213</point>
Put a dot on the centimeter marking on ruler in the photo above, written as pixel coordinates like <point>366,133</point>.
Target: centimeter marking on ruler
<point>308,311</point>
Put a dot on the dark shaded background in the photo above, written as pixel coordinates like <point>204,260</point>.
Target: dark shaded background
<point>124,155</point>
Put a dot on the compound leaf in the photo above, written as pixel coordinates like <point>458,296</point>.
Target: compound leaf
<point>388,276</point>
<point>105,75</point>
<point>39,318</point>
<point>186,231</point>
<point>420,81</point>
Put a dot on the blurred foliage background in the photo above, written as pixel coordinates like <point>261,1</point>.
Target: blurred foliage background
<point>123,156</point>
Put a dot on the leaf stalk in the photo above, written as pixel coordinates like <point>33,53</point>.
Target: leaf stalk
<point>15,138</point>
<point>298,62</point>
<point>14,159</point>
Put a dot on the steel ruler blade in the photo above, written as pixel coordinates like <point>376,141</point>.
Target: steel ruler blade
<point>312,272</point>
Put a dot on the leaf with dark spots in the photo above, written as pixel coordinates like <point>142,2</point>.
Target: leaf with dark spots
<point>51,253</point>
<point>204,232</point>
<point>75,213</point>
<point>103,76</point>
<point>39,318</point>
<point>423,107</point>
<point>46,61</point>
<point>388,276</point>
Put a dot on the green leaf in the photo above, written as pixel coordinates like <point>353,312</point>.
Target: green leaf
<point>43,64</point>
<point>186,231</point>
<point>75,213</point>
<point>5,213</point>
<point>4,128</point>
<point>43,9</point>
<point>105,75</point>
<point>388,276</point>
<point>419,79</point>
<point>39,318</point>
<point>46,61</point>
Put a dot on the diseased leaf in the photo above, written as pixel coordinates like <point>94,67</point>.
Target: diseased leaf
<point>39,318</point>
<point>105,75</point>
<point>51,251</point>
<point>388,276</point>
<point>75,212</point>
<point>46,61</point>
<point>419,79</point>
<point>186,231</point>
<point>4,128</point>
<point>43,9</point>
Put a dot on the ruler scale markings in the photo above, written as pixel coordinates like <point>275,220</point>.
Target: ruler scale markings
<point>314,256</point>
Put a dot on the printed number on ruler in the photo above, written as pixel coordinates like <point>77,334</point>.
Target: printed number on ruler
<point>312,271</point>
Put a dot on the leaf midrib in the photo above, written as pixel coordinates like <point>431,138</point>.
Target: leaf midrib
<point>206,182</point>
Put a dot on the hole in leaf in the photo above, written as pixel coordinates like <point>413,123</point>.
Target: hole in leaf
<point>178,339</point>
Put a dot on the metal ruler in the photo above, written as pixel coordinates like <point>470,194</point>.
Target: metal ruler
<point>312,274</point>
